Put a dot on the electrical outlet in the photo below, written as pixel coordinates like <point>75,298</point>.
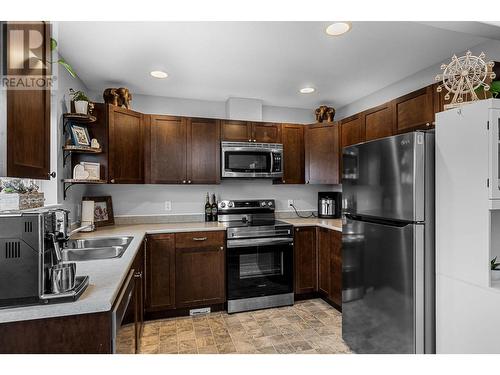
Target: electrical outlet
<point>291,202</point>
<point>168,205</point>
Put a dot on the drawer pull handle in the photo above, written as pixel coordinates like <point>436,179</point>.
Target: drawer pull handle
<point>200,238</point>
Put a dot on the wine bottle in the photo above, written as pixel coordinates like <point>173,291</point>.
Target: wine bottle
<point>208,210</point>
<point>214,208</point>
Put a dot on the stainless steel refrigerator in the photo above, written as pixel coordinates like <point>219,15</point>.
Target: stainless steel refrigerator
<point>388,245</point>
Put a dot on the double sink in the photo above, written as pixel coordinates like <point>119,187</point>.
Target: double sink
<point>95,248</point>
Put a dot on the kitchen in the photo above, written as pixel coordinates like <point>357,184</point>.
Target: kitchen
<point>193,212</point>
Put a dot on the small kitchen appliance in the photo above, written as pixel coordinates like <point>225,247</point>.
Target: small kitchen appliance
<point>259,255</point>
<point>251,160</point>
<point>329,204</point>
<point>31,269</point>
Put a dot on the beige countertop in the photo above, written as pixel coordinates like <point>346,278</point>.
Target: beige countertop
<point>107,275</point>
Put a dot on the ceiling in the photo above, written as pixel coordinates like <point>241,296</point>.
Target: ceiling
<point>265,60</point>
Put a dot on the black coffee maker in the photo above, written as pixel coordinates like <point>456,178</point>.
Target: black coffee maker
<point>329,204</point>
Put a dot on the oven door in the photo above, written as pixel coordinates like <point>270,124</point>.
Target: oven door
<point>259,267</point>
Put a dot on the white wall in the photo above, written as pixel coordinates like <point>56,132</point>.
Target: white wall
<point>150,199</point>
<point>211,109</point>
<point>413,82</point>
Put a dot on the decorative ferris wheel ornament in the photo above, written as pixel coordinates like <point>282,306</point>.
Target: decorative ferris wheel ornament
<point>463,76</point>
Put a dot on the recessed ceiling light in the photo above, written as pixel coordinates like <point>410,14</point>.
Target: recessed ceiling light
<point>307,90</point>
<point>158,74</point>
<point>338,28</point>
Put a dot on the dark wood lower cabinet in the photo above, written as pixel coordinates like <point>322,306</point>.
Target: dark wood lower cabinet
<point>324,251</point>
<point>305,260</point>
<point>318,264</point>
<point>200,270</point>
<point>160,272</point>
<point>185,270</point>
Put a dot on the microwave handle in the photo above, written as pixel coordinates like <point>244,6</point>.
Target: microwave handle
<point>272,162</point>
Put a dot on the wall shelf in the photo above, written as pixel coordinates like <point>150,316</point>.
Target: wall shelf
<point>79,117</point>
<point>68,182</point>
<point>69,149</point>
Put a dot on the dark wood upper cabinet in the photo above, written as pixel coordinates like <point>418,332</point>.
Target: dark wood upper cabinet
<point>126,146</point>
<point>236,131</point>
<point>293,153</point>
<point>200,269</point>
<point>160,272</point>
<point>166,150</point>
<point>414,110</point>
<point>305,260</point>
<point>351,131</point>
<point>183,150</point>
<point>28,111</point>
<point>266,132</point>
<point>378,122</point>
<point>203,151</point>
<point>322,154</point>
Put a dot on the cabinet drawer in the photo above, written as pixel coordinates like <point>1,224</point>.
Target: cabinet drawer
<point>192,240</point>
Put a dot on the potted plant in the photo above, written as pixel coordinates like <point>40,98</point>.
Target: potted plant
<point>81,101</point>
<point>495,269</point>
<point>15,194</point>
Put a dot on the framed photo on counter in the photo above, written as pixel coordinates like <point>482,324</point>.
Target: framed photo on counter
<point>103,210</point>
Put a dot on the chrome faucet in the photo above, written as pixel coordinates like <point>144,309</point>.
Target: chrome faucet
<point>88,226</point>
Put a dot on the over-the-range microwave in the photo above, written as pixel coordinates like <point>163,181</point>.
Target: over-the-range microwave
<point>252,160</point>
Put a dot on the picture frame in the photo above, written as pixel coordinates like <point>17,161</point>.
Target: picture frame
<point>93,169</point>
<point>79,135</point>
<point>103,210</point>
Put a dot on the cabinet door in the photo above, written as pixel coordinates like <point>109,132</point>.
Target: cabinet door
<point>336,267</point>
<point>322,154</point>
<point>167,150</point>
<point>266,132</point>
<point>236,131</point>
<point>414,111</point>
<point>160,272</point>
<point>203,151</point>
<point>378,122</point>
<point>28,111</point>
<point>200,269</point>
<point>324,262</point>
<point>293,154</point>
<point>351,131</point>
<point>305,260</point>
<point>126,149</point>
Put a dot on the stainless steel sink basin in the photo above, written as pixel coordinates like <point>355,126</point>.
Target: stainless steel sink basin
<point>95,248</point>
<point>99,242</point>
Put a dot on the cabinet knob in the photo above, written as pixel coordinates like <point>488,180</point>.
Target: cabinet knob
<point>138,275</point>
<point>249,140</point>
<point>428,124</point>
<point>284,181</point>
<point>189,181</point>
<point>112,181</point>
<point>255,140</point>
<point>51,175</point>
<point>297,229</point>
<point>183,181</point>
<point>221,248</point>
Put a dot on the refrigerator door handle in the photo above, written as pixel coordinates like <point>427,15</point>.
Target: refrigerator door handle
<point>376,220</point>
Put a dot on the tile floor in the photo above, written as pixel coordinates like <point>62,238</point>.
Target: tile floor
<point>310,326</point>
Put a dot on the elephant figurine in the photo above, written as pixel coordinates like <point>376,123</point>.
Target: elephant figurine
<point>324,113</point>
<point>120,97</point>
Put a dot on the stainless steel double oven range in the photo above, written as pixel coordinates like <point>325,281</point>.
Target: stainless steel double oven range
<point>259,255</point>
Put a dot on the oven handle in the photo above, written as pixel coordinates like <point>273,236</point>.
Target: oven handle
<point>242,233</point>
<point>251,242</point>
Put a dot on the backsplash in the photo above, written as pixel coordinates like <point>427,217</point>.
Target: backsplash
<point>149,200</point>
